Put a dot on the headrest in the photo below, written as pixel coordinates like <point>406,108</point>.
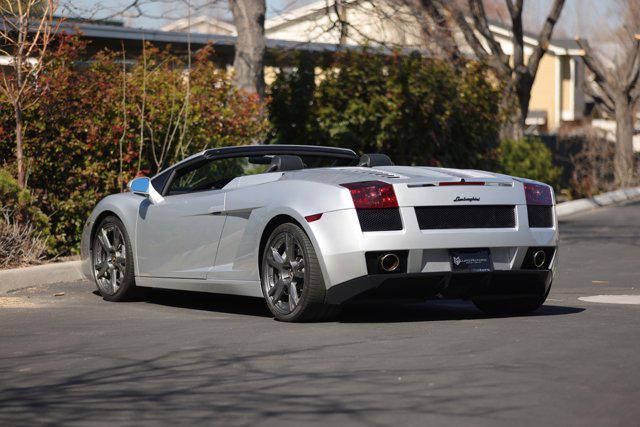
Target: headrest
<point>285,163</point>
<point>373,160</point>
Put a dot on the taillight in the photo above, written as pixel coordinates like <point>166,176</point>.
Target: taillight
<point>537,194</point>
<point>372,195</point>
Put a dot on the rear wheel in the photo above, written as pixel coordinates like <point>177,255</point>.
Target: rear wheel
<point>512,306</point>
<point>292,282</point>
<point>112,261</point>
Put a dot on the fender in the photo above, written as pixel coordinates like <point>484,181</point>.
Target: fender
<point>126,207</point>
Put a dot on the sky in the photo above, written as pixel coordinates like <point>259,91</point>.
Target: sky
<point>160,12</point>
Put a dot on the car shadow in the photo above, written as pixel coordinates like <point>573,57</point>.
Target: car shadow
<point>355,313</point>
<point>220,303</point>
<point>431,311</point>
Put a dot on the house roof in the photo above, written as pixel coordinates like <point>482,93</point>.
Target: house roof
<point>556,46</point>
<point>93,30</point>
<point>181,24</point>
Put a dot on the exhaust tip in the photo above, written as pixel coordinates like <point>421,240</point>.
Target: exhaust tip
<point>389,262</point>
<point>539,258</point>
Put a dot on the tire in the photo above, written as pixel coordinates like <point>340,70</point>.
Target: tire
<point>293,266</point>
<point>512,306</point>
<point>108,260</point>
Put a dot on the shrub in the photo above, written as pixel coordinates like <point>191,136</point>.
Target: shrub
<point>291,109</point>
<point>528,158</point>
<point>18,204</point>
<point>591,157</point>
<point>23,227</point>
<point>417,110</point>
<point>20,243</point>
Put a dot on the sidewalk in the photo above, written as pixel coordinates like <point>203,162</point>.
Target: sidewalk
<point>18,278</point>
<point>563,210</point>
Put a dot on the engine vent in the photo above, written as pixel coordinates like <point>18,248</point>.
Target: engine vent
<point>452,217</point>
<point>540,216</point>
<point>378,173</point>
<point>386,219</point>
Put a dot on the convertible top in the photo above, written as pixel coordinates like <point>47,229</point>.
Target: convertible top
<point>281,149</point>
<point>255,150</point>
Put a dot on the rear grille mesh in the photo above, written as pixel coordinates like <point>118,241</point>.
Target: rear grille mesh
<point>540,216</point>
<point>452,217</point>
<point>380,219</point>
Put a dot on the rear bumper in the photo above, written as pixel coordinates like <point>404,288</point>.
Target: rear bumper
<point>442,285</point>
<point>341,245</point>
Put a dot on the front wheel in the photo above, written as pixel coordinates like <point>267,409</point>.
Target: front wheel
<point>292,282</point>
<point>112,261</point>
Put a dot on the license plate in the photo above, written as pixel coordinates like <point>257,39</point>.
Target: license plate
<point>471,260</point>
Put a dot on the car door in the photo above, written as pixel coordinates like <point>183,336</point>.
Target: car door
<point>178,237</point>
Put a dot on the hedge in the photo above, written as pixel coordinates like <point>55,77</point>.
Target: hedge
<point>417,110</point>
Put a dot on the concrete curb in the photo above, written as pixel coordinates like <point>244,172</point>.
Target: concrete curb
<point>18,278</point>
<point>563,210</point>
<point>69,271</point>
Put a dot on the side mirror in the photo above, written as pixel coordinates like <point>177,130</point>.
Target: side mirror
<point>143,187</point>
<point>140,186</point>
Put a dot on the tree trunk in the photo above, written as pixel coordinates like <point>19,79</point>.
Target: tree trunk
<point>523,88</point>
<point>248,17</point>
<point>513,126</point>
<point>623,162</point>
<point>17,111</point>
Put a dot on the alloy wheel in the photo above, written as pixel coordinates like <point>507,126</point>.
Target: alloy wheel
<point>284,272</point>
<point>109,259</point>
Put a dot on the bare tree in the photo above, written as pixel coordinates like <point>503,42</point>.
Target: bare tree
<point>248,63</point>
<point>124,117</point>
<point>516,71</point>
<point>616,86</point>
<point>26,31</point>
<point>143,104</point>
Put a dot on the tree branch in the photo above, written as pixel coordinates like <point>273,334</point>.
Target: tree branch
<point>545,37</point>
<point>441,31</point>
<point>467,31</point>
<point>633,72</point>
<point>515,11</point>
<point>481,25</point>
<point>600,97</point>
<point>594,65</point>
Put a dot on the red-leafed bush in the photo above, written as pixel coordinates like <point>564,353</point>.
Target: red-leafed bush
<point>98,124</point>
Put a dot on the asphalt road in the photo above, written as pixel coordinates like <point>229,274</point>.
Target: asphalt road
<point>184,358</point>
